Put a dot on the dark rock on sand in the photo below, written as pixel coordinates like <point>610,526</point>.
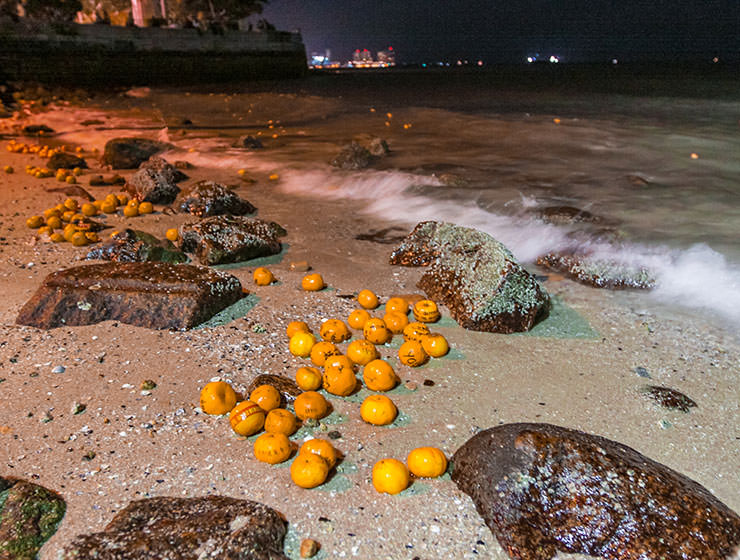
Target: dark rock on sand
<point>130,153</point>
<point>669,398</point>
<point>249,142</point>
<point>286,387</point>
<point>73,190</point>
<point>153,295</point>
<point>111,180</point>
<point>29,515</point>
<point>543,489</point>
<point>214,527</point>
<point>63,160</point>
<point>155,182</point>
<point>35,129</point>
<point>567,215</point>
<point>475,276</point>
<point>598,272</point>
<point>208,198</point>
<point>353,157</point>
<point>132,245</point>
<point>228,239</point>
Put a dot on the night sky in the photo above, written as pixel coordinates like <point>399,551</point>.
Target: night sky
<point>509,30</point>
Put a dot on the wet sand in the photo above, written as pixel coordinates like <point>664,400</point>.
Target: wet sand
<point>130,444</point>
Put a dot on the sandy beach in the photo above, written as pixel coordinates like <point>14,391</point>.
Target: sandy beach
<point>130,443</point>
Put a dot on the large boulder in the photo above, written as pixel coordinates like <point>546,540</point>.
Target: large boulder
<point>208,198</point>
<point>152,294</point>
<point>131,245</point>
<point>155,182</point>
<point>599,272</point>
<point>29,515</point>
<point>63,160</point>
<point>543,489</point>
<point>475,276</point>
<point>228,239</point>
<point>214,527</point>
<point>130,153</point>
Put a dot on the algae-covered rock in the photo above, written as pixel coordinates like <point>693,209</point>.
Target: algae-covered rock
<point>228,239</point>
<point>214,527</point>
<point>544,489</point>
<point>475,276</point>
<point>29,515</point>
<point>599,272</point>
<point>132,245</point>
<point>208,198</point>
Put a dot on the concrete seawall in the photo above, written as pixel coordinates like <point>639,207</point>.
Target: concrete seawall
<point>110,55</point>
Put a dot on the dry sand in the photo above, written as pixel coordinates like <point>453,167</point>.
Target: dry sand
<point>130,444</point>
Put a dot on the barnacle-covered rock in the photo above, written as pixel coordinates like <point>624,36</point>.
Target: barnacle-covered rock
<point>208,198</point>
<point>599,272</point>
<point>543,489</point>
<point>155,182</point>
<point>475,276</point>
<point>131,245</point>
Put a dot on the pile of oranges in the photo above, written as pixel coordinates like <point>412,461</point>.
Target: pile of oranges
<point>336,372</point>
<point>45,151</point>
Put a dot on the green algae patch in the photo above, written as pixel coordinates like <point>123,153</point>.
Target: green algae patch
<point>235,311</point>
<point>415,489</point>
<point>562,322</point>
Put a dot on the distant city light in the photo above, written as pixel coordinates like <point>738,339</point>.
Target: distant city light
<point>554,59</point>
<point>615,61</point>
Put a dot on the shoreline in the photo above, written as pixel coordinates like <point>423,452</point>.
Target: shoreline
<point>587,384</point>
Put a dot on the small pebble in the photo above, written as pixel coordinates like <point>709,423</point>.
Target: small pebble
<point>47,417</point>
<point>642,372</point>
<point>148,385</point>
<point>411,385</point>
<point>59,369</point>
<point>428,383</point>
<point>78,408</point>
<point>309,548</point>
<point>300,266</point>
<point>334,434</point>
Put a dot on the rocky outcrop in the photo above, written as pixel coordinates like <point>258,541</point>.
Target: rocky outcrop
<point>286,387</point>
<point>208,198</point>
<point>132,245</point>
<point>29,515</point>
<point>568,215</point>
<point>130,153</point>
<point>248,142</point>
<point>543,489</point>
<point>152,295</point>
<point>155,182</point>
<point>228,239</point>
<point>598,272</point>
<point>353,157</point>
<point>475,276</point>
<point>63,160</point>
<point>214,527</point>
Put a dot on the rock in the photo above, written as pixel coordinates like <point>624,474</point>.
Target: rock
<point>130,153</point>
<point>286,387</point>
<point>132,245</point>
<point>378,147</point>
<point>214,527</point>
<point>249,142</point>
<point>475,276</point>
<point>567,215</point>
<point>155,182</point>
<point>598,272</point>
<point>29,515</point>
<point>111,180</point>
<point>669,398</point>
<point>208,198</point>
<point>543,489</point>
<point>153,295</point>
<point>63,160</point>
<point>352,157</point>
<point>73,190</point>
<point>228,239</point>
<point>37,129</point>
<point>309,548</point>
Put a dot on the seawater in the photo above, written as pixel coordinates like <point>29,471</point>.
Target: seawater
<point>656,155</point>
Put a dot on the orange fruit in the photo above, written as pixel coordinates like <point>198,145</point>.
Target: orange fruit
<point>296,326</point>
<point>108,208</point>
<point>435,345</point>
<point>322,350</point>
<point>390,476</point>
<point>358,318</point>
<point>322,448</point>
<point>57,237</point>
<point>308,470</point>
<point>379,376</point>
<point>310,404</point>
<point>411,353</point>
<point>89,209</point>
<point>71,204</point>
<point>334,330</point>
<point>35,222</point>
<point>415,331</point>
<point>121,199</point>
<point>397,305</point>
<point>79,239</point>
<point>376,332</point>
<point>312,282</point>
<point>92,236</point>
<point>272,448</point>
<point>172,234</point>
<point>281,421</point>
<point>362,351</point>
<point>339,361</point>
<point>146,208</point>
<point>395,321</point>
<point>368,299</point>
<point>45,230</point>
<point>247,418</point>
<point>266,396</point>
<point>427,462</point>
<point>54,222</point>
<point>301,343</point>
<point>263,277</point>
<point>308,378</point>
<point>130,211</point>
<point>378,410</point>
<point>339,381</point>
<point>426,311</point>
